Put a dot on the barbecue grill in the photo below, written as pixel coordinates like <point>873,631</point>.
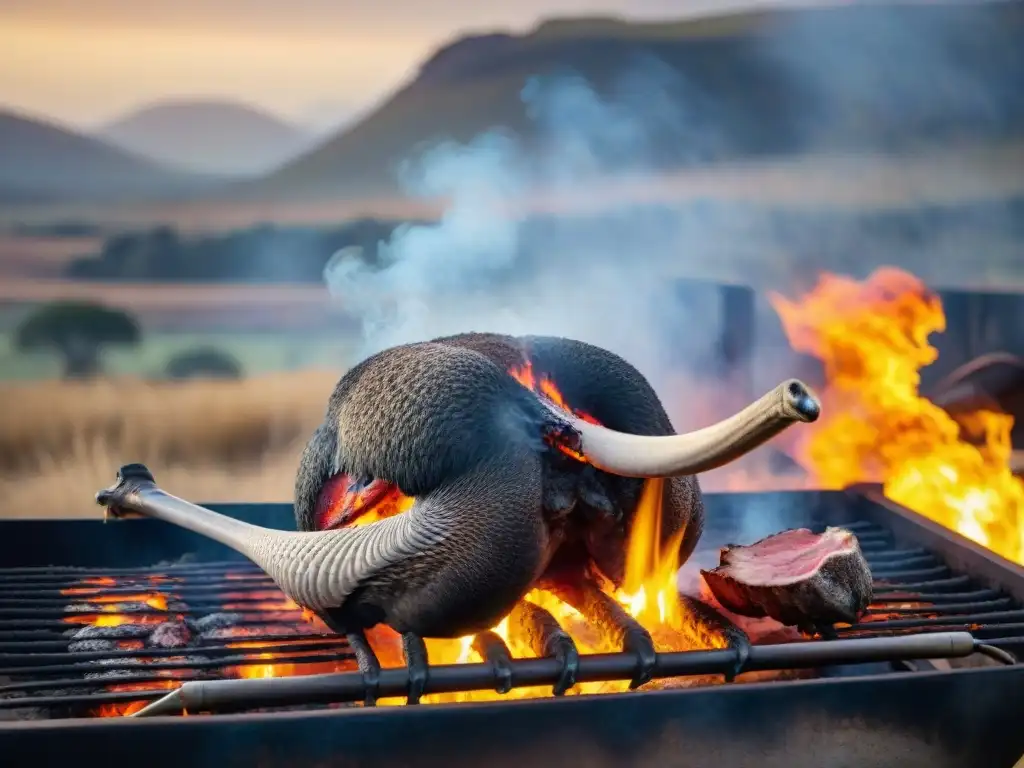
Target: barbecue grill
<point>81,604</point>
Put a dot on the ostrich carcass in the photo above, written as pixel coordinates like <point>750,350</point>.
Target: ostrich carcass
<point>504,489</point>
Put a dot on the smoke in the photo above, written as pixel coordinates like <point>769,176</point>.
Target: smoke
<point>485,267</point>
<point>530,242</point>
<point>895,77</point>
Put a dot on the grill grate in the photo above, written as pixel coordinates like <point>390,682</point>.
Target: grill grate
<point>86,642</point>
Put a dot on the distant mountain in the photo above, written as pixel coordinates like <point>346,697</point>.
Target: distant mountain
<point>203,136</point>
<point>40,161</point>
<point>850,77</point>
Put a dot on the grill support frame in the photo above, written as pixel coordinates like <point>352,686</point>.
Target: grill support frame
<point>936,719</point>
<point>913,720</point>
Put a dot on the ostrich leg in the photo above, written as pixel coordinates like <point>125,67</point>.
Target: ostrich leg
<point>611,619</point>
<point>415,652</point>
<point>368,663</point>
<point>547,639</point>
<point>706,627</point>
<point>493,650</point>
<point>413,649</point>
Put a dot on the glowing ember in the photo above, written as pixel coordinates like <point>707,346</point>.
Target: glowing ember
<point>344,503</point>
<point>131,707</point>
<point>543,385</point>
<point>649,594</point>
<point>872,338</point>
<point>110,610</point>
<point>271,669</point>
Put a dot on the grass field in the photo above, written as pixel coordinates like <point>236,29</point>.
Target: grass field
<point>258,353</point>
<point>204,440</point>
<point>953,173</point>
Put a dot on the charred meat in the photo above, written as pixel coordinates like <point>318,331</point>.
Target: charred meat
<point>796,577</point>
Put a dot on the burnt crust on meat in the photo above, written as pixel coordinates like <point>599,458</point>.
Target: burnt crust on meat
<point>754,581</point>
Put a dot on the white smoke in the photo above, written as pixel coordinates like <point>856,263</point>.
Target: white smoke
<point>606,274</point>
<point>486,267</point>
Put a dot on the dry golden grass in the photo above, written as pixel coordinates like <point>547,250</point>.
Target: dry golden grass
<point>204,440</point>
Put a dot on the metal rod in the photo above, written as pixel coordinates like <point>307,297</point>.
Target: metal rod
<point>148,570</point>
<point>35,625</point>
<point>910,564</point>
<point>951,583</point>
<point>239,660</point>
<point>938,598</point>
<point>965,621</point>
<point>141,584</point>
<point>952,608</point>
<point>979,632</point>
<point>325,689</point>
<point>58,599</point>
<point>85,699</point>
<point>896,575</point>
<point>32,660</point>
<point>78,684</point>
<point>900,554</point>
<point>59,643</point>
<point>1006,642</point>
<point>14,614</point>
<point>854,525</point>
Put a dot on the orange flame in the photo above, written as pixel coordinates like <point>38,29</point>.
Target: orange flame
<point>872,338</point>
<point>649,594</point>
<point>109,614</point>
<point>543,385</point>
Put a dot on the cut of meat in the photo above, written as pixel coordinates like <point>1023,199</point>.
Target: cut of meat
<point>796,577</point>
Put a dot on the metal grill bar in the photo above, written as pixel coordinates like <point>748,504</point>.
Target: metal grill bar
<point>351,687</point>
<point>918,598</point>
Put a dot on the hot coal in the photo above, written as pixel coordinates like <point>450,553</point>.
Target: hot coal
<point>796,577</point>
<point>172,634</point>
<point>129,607</point>
<point>119,632</point>
<point>215,621</point>
<point>113,673</point>
<point>120,674</point>
<point>92,646</point>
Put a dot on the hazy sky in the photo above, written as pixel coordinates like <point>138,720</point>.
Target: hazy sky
<point>85,61</point>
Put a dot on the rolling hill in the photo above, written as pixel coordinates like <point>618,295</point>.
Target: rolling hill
<point>743,86</point>
<point>43,162</point>
<point>205,136</point>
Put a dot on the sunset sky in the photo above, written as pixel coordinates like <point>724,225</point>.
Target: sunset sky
<point>83,62</point>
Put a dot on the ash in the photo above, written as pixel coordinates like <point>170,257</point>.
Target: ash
<point>129,607</point>
<point>120,632</point>
<point>121,674</point>
<point>173,634</point>
<point>216,621</point>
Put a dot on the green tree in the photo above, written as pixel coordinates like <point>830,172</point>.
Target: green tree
<point>203,362</point>
<point>78,331</point>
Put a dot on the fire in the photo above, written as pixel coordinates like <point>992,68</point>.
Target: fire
<point>110,609</point>
<point>872,338</point>
<point>649,594</point>
<point>131,707</point>
<point>544,385</point>
<point>284,669</point>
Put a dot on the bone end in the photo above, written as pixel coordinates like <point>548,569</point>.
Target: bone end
<point>130,478</point>
<point>800,402</point>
